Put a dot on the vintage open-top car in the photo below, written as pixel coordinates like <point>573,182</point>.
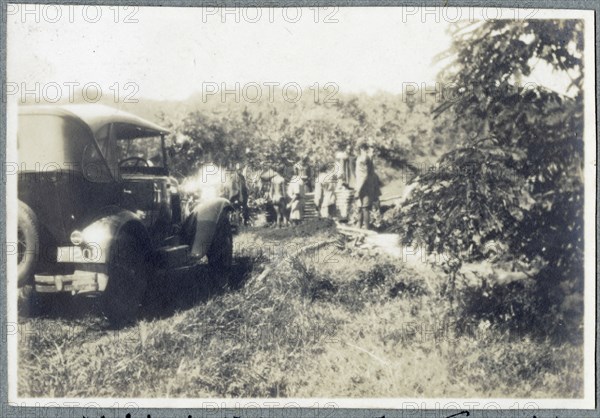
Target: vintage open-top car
<point>98,212</point>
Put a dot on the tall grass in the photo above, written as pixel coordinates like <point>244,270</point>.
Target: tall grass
<point>330,324</point>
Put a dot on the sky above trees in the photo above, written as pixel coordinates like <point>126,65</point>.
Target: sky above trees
<point>170,52</point>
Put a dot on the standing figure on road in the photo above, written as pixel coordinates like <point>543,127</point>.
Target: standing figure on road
<point>344,166</point>
<point>325,191</point>
<point>367,185</point>
<point>277,196</point>
<point>296,192</point>
<point>302,170</point>
<point>235,189</point>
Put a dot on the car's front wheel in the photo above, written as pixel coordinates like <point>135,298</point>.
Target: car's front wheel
<point>127,280</point>
<point>220,253</point>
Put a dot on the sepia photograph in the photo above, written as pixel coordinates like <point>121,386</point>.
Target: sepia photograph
<point>236,210</point>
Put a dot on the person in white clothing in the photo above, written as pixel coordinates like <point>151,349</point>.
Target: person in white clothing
<point>325,187</point>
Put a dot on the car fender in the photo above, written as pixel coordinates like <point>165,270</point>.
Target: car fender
<point>101,234</point>
<point>200,226</point>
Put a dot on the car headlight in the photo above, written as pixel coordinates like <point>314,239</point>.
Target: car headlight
<point>76,237</point>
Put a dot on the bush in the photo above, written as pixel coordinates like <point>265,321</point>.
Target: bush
<point>538,308</point>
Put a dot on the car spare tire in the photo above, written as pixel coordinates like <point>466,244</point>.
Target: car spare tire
<point>28,244</point>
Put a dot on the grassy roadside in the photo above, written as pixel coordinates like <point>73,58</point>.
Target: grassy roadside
<point>330,324</point>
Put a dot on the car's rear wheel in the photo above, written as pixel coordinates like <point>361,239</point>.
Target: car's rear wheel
<point>28,244</point>
<point>220,253</point>
<point>30,303</point>
<point>127,281</point>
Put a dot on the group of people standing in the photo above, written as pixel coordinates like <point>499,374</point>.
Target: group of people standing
<point>288,202</point>
<point>284,198</point>
<point>332,182</point>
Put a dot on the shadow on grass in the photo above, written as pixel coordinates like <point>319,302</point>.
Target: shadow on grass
<point>58,306</point>
<point>186,288</point>
<point>168,293</point>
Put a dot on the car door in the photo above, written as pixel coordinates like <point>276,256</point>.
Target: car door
<point>86,187</point>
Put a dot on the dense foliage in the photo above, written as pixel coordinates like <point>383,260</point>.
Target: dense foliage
<point>517,175</point>
<point>278,134</point>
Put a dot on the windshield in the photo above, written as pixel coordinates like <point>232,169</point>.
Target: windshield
<point>137,154</point>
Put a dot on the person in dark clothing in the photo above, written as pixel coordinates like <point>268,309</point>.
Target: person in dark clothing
<point>367,185</point>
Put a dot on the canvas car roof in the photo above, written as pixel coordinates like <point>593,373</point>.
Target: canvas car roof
<point>96,116</point>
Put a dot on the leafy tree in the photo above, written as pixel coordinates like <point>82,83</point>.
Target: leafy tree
<point>520,159</point>
<point>278,134</point>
